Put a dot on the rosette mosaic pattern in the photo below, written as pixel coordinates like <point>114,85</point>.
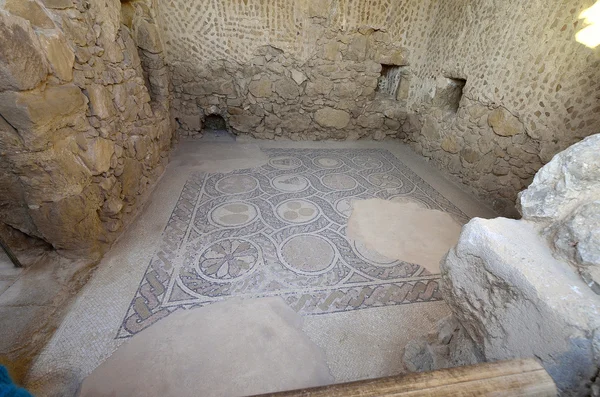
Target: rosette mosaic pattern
<point>280,230</point>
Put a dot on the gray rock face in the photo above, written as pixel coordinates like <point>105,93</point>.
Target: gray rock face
<point>515,299</point>
<point>570,179</point>
<point>577,239</point>
<point>564,199</point>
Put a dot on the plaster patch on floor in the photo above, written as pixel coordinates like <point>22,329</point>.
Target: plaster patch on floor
<point>233,348</point>
<point>403,230</point>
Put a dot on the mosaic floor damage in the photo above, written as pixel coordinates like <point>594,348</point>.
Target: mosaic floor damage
<point>280,230</point>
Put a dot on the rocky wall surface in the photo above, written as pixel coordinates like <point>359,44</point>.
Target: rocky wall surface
<point>84,126</point>
<point>336,93</point>
<point>531,91</point>
<point>528,89</point>
<point>530,287</point>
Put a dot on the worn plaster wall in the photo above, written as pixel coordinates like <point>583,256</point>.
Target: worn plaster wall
<point>531,91</point>
<point>309,70</point>
<point>84,126</point>
<point>300,70</point>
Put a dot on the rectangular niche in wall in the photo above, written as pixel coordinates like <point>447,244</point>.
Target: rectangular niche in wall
<point>390,78</point>
<point>449,93</point>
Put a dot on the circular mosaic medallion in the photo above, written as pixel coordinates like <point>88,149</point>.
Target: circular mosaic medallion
<point>297,211</point>
<point>370,255</point>
<point>308,253</point>
<point>285,163</point>
<point>290,183</point>
<point>235,184</point>
<point>367,162</point>
<point>234,214</point>
<point>385,181</point>
<point>339,181</point>
<point>228,259</point>
<point>327,162</point>
<point>344,207</point>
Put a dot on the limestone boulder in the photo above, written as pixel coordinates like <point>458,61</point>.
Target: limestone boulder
<point>515,299</point>
<point>38,113</point>
<point>505,123</point>
<point>51,175</point>
<point>244,122</point>
<point>130,179</point>
<point>97,155</point>
<point>261,88</point>
<point>101,102</point>
<point>569,180</point>
<point>146,35</point>
<point>59,54</point>
<point>72,224</point>
<point>298,76</point>
<point>577,239</point>
<point>332,118</point>
<point>295,122</point>
<point>287,88</point>
<point>58,4</point>
<point>22,63</point>
<point>31,11</point>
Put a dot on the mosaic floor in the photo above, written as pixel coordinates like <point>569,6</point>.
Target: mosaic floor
<point>279,230</point>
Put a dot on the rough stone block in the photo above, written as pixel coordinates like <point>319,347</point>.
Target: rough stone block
<point>101,103</point>
<point>22,63</point>
<point>59,55</point>
<point>504,123</point>
<point>147,36</point>
<point>332,118</point>
<point>261,88</point>
<point>515,299</point>
<point>97,155</point>
<point>569,180</point>
<point>36,114</point>
<point>31,11</point>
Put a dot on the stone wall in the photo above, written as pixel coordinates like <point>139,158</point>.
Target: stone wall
<point>531,91</point>
<point>84,126</point>
<point>280,69</point>
<point>489,90</point>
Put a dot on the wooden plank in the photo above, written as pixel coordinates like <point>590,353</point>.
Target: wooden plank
<point>499,379</point>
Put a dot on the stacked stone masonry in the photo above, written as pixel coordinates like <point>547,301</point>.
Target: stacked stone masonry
<point>309,69</point>
<point>84,126</point>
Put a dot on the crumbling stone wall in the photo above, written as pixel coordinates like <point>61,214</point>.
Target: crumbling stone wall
<point>531,91</point>
<point>280,69</point>
<point>309,70</point>
<point>84,126</point>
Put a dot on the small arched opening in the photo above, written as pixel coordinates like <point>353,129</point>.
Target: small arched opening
<point>215,128</point>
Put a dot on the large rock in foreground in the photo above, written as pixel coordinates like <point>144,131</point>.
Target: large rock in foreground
<point>515,299</point>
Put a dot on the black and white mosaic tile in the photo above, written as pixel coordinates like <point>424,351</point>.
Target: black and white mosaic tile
<point>280,230</point>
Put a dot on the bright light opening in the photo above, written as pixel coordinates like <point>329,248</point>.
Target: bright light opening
<point>590,34</point>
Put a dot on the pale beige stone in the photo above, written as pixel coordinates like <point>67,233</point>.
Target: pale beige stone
<point>504,123</point>
<point>261,88</point>
<point>30,10</point>
<point>101,103</point>
<point>58,4</point>
<point>97,155</point>
<point>36,113</point>
<point>332,118</point>
<point>146,35</point>
<point>22,63</point>
<point>59,55</point>
<point>287,88</point>
<point>450,145</point>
